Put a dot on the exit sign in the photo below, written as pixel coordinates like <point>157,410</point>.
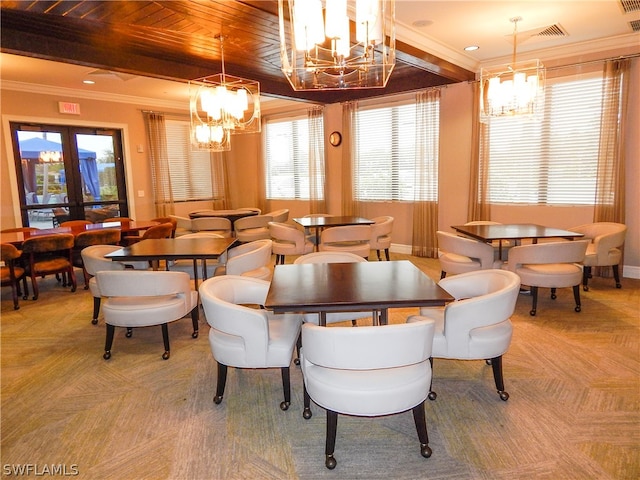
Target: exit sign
<point>69,108</point>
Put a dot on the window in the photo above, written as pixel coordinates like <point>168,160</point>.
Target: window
<point>387,151</point>
<point>189,171</point>
<point>552,161</point>
<point>287,159</point>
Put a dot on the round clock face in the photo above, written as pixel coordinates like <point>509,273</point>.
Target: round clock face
<point>335,139</point>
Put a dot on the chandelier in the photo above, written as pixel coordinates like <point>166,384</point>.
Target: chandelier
<point>514,89</point>
<point>50,157</point>
<point>221,105</point>
<point>319,53</point>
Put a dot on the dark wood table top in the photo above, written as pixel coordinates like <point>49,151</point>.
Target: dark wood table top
<point>17,238</point>
<point>173,249</point>
<point>515,231</point>
<point>332,287</point>
<point>334,221</point>
<point>232,215</point>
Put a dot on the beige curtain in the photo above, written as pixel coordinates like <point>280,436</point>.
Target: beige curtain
<point>220,181</point>
<point>317,193</point>
<point>610,188</point>
<point>350,206</point>
<point>160,174</point>
<point>425,211</point>
<point>479,207</point>
<point>263,203</point>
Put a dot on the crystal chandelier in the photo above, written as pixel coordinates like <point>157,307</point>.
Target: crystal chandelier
<point>320,54</point>
<point>222,105</point>
<point>514,89</point>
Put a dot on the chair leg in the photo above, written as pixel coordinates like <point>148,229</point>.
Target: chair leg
<point>286,387</point>
<point>108,342</point>
<point>379,257</point>
<point>576,296</point>
<point>96,310</point>
<point>496,365</point>
<point>616,275</point>
<point>443,274</point>
<point>432,395</point>
<point>421,427</point>
<point>586,273</point>
<point>553,294</point>
<point>330,445</point>
<point>296,361</point>
<point>14,295</point>
<point>386,253</point>
<point>86,278</point>
<point>34,285</point>
<point>222,380</point>
<point>25,286</point>
<point>195,316</point>
<point>534,301</point>
<point>306,412</point>
<point>165,339</point>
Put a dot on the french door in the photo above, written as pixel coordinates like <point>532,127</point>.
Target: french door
<point>68,173</point>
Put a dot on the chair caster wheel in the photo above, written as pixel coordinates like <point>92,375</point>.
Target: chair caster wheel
<point>296,361</point>
<point>504,396</point>
<point>284,406</point>
<point>532,313</point>
<point>585,289</point>
<point>578,308</point>
<point>73,289</point>
<point>86,287</point>
<point>129,333</point>
<point>432,396</point>
<point>330,462</point>
<point>194,335</point>
<point>488,362</point>
<point>618,285</point>
<point>217,399</point>
<point>553,296</point>
<point>94,321</point>
<point>107,355</point>
<point>166,355</point>
<point>16,307</point>
<point>425,451</point>
<point>306,413</point>
<point>25,297</point>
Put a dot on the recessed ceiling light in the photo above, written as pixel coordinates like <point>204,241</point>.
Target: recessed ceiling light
<point>422,23</point>
<point>88,82</point>
<point>471,48</point>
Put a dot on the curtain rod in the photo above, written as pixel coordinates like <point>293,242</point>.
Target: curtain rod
<point>591,62</point>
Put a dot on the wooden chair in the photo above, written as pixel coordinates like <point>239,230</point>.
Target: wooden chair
<point>157,231</point>
<point>11,273</point>
<point>75,223</point>
<point>109,236</point>
<point>48,254</point>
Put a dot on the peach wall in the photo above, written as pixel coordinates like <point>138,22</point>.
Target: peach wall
<point>244,158</point>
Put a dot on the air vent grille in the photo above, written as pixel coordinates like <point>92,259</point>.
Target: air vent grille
<point>629,6</point>
<point>635,25</point>
<point>552,31</point>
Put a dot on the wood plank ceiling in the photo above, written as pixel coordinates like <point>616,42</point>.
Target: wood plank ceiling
<point>175,40</point>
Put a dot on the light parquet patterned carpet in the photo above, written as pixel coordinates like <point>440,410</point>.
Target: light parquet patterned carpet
<point>574,410</point>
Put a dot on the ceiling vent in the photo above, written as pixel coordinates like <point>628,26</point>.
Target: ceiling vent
<point>551,31</point>
<point>635,25</point>
<point>629,6</point>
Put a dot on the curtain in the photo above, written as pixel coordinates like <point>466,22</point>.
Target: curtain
<point>317,196</point>
<point>479,208</point>
<point>220,181</point>
<point>350,206</point>
<point>609,201</point>
<point>160,174</point>
<point>610,185</point>
<point>425,211</point>
<point>263,203</point>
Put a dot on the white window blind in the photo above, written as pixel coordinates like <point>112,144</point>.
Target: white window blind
<point>287,159</point>
<point>552,160</point>
<point>387,151</point>
<point>190,171</point>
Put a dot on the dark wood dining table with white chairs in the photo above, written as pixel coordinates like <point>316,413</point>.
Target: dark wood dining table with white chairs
<point>350,287</point>
<point>319,223</point>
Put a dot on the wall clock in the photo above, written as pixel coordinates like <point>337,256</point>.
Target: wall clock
<point>335,139</point>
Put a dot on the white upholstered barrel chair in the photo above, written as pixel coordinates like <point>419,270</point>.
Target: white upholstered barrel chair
<point>549,265</point>
<point>281,215</point>
<point>369,372</point>
<point>251,259</point>
<point>604,249</point>
<point>335,257</point>
<point>477,325</point>
<point>255,227</point>
<point>461,254</point>
<point>381,235</point>
<point>244,337</point>
<point>288,240</point>
<point>93,258</point>
<point>349,238</point>
<point>183,225</point>
<point>146,298</point>
<point>208,266</point>
<point>219,225</point>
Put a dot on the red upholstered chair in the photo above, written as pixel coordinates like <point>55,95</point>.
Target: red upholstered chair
<point>48,254</point>
<point>11,273</point>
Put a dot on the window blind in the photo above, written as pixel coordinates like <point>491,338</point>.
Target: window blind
<point>387,152</point>
<point>287,159</point>
<point>552,160</point>
<point>190,171</point>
